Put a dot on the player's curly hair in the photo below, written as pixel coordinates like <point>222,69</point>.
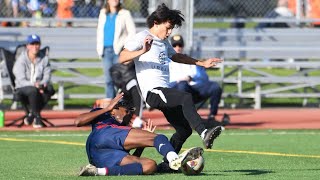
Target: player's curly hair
<point>163,14</point>
<point>125,104</point>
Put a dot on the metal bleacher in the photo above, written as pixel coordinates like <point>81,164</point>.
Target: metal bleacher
<point>241,49</point>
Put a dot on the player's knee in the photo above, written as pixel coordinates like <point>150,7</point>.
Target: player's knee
<point>149,166</point>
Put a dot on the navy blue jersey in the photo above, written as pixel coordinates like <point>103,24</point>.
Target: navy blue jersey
<point>105,144</point>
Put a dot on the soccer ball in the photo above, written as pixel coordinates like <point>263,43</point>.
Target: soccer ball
<point>193,167</point>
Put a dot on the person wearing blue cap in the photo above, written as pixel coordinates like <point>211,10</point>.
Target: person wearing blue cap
<point>32,73</point>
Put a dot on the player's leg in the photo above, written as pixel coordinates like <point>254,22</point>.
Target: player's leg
<point>133,168</point>
<point>149,166</point>
<point>213,91</point>
<point>183,130</point>
<point>139,139</point>
<point>166,98</point>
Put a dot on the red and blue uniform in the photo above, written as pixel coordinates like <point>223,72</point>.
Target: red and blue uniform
<point>105,144</point>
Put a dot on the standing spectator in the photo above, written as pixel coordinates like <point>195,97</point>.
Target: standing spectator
<point>32,73</point>
<point>151,52</point>
<point>34,8</point>
<point>314,11</point>
<point>64,11</point>
<point>115,25</point>
<point>194,79</point>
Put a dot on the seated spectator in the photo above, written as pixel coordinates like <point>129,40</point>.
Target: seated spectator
<point>32,73</point>
<point>281,11</point>
<point>124,78</point>
<point>194,79</point>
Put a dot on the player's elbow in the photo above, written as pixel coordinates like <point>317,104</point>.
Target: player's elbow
<point>122,57</point>
<point>78,121</point>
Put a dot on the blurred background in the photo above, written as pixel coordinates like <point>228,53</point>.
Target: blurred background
<point>15,12</point>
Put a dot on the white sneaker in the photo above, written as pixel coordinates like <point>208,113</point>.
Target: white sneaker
<point>88,170</point>
<point>189,154</point>
<point>137,123</point>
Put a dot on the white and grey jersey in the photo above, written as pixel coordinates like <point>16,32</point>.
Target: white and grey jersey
<point>152,67</point>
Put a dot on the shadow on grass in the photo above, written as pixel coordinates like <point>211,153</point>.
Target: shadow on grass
<point>245,124</point>
<point>247,172</point>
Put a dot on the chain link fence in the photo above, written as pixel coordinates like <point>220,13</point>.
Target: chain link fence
<point>15,12</point>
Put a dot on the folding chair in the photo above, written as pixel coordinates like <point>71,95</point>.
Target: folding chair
<point>10,59</point>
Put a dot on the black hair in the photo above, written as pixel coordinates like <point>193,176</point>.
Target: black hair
<point>163,14</point>
<point>125,104</point>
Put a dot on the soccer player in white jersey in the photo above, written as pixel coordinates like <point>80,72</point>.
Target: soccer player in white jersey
<point>151,52</point>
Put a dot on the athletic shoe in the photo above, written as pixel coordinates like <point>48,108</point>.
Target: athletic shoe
<point>225,120</point>
<point>187,155</point>
<point>164,167</point>
<point>28,120</point>
<point>88,170</point>
<point>210,136</point>
<point>37,123</point>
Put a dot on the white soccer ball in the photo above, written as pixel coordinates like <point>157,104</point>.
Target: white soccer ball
<point>193,167</point>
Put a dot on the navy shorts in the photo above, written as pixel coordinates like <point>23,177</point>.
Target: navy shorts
<point>105,146</point>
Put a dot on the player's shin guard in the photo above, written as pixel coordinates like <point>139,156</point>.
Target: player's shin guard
<point>162,144</point>
<point>129,169</point>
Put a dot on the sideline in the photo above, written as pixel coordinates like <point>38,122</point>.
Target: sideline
<point>207,150</point>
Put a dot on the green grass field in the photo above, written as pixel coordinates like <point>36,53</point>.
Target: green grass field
<point>237,154</point>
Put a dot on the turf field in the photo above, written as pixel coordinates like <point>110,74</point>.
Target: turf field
<point>237,154</point>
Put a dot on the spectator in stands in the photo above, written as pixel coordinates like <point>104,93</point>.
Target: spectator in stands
<point>314,11</point>
<point>64,11</point>
<point>115,25</point>
<point>124,78</point>
<point>194,79</point>
<point>281,11</point>
<point>32,73</point>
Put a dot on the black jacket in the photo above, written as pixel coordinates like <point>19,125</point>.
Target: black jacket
<point>121,74</point>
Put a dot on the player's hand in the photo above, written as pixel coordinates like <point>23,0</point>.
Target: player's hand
<point>147,43</point>
<point>114,101</point>
<point>149,126</point>
<point>211,62</point>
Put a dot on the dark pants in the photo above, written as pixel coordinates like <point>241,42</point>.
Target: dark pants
<point>32,99</point>
<point>180,112</point>
<point>203,91</point>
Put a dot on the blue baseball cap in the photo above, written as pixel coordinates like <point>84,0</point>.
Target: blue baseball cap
<point>33,38</point>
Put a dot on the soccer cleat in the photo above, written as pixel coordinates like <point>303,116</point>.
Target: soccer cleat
<point>29,119</point>
<point>164,167</point>
<point>225,120</point>
<point>37,123</point>
<point>88,170</point>
<point>210,136</point>
<point>187,155</point>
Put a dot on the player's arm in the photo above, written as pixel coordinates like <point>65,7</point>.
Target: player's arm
<point>127,55</point>
<point>86,118</point>
<point>182,58</point>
